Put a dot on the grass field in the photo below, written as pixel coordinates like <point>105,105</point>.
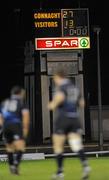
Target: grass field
<point>43,169</point>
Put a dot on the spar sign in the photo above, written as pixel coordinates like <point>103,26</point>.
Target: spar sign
<point>62,43</point>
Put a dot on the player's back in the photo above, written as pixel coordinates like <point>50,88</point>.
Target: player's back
<point>11,110</point>
<point>72,94</point>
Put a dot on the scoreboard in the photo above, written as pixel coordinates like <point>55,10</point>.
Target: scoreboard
<point>75,23</point>
<point>61,23</point>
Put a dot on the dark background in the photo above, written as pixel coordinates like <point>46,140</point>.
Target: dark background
<point>16,28</point>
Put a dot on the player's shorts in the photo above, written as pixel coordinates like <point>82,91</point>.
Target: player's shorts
<point>66,125</point>
<point>13,132</point>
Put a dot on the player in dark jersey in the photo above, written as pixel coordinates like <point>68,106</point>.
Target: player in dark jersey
<point>15,119</point>
<point>66,102</point>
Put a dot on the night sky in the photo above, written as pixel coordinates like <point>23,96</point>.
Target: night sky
<point>17,28</point>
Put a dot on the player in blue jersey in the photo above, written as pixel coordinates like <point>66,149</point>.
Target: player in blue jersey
<point>15,117</point>
<point>66,101</point>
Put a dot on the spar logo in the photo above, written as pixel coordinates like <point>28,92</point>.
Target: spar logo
<point>84,42</point>
<point>62,43</point>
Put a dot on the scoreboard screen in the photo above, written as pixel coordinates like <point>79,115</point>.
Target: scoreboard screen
<point>75,23</point>
<point>61,23</point>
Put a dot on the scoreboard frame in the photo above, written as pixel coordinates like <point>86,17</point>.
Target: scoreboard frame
<point>58,30</point>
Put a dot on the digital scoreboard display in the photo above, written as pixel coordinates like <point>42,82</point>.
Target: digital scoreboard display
<point>75,23</point>
<point>61,23</point>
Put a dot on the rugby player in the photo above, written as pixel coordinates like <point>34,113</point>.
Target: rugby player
<point>66,102</point>
<point>15,118</point>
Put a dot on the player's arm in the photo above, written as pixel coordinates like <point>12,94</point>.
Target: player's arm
<point>1,122</point>
<point>25,121</point>
<point>57,100</point>
<point>81,102</point>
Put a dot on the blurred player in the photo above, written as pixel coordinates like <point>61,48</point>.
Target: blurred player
<point>14,118</point>
<point>66,101</point>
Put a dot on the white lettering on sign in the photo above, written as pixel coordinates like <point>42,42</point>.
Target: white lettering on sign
<point>74,42</point>
<point>48,44</point>
<point>63,44</point>
<point>56,43</point>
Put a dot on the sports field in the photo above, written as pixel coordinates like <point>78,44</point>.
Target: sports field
<point>43,169</point>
